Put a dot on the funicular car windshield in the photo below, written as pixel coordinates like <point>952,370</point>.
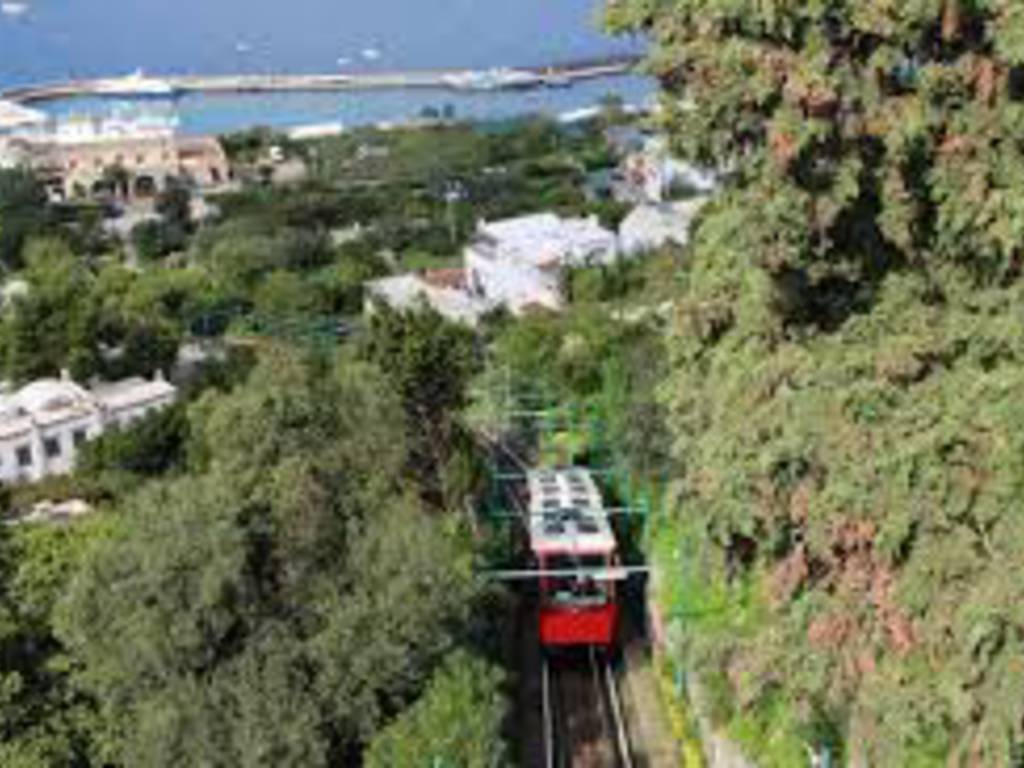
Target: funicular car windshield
<point>577,590</point>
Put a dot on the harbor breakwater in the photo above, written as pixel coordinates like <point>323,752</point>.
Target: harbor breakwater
<point>558,75</point>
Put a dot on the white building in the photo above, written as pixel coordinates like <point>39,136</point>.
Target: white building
<point>519,262</point>
<point>444,290</point>
<point>43,424</point>
<point>652,173</point>
<point>651,226</point>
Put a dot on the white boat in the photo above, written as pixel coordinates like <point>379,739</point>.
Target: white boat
<point>492,79</point>
<point>371,54</point>
<point>555,80</point>
<point>518,78</point>
<point>316,131</point>
<point>135,85</point>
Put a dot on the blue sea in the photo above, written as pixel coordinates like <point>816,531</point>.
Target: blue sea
<point>50,40</point>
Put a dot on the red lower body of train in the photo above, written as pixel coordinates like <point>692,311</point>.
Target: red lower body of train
<point>576,612</point>
<point>561,627</point>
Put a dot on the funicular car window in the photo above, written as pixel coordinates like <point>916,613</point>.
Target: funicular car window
<point>577,589</point>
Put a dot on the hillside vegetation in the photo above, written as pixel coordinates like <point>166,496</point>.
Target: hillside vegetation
<point>846,373</point>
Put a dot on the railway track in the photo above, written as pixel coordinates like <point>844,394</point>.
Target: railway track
<point>583,721</point>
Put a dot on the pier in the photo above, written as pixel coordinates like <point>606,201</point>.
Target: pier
<point>452,80</point>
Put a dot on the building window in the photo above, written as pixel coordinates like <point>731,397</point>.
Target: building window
<point>24,453</point>
<point>51,446</point>
<point>79,436</point>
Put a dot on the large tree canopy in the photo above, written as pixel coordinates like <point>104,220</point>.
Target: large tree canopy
<point>848,360</point>
<point>23,214</point>
<point>861,130</point>
<point>280,603</point>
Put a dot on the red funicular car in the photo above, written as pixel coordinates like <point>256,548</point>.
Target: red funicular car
<point>575,549</point>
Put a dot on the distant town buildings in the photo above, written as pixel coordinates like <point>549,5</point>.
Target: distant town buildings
<point>128,155</point>
<point>43,424</point>
<point>126,167</point>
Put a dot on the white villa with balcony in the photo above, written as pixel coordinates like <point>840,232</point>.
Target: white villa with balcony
<point>519,262</point>
<point>43,424</point>
<point>516,263</point>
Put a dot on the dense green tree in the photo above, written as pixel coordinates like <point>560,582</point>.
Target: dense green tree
<point>429,361</point>
<point>847,346</point>
<point>562,356</point>
<point>23,214</point>
<point>284,294</point>
<point>240,253</point>
<point>51,326</point>
<point>174,204</point>
<point>44,720</point>
<point>283,601</point>
<point>339,287</point>
<point>457,723</point>
<point>155,239</point>
<point>83,227</point>
<point>151,447</point>
<point>113,324</point>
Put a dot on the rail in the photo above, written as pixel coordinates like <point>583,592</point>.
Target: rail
<point>584,726</point>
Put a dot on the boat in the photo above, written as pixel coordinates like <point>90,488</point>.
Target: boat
<point>316,131</point>
<point>492,79</point>
<point>371,54</point>
<point>136,86</point>
<point>557,80</point>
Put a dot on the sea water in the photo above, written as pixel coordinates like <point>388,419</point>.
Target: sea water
<point>55,40</point>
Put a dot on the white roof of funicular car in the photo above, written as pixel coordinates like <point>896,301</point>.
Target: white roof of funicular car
<point>567,514</point>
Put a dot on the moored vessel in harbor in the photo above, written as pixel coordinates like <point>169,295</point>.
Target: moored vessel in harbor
<point>136,85</point>
<point>492,79</point>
